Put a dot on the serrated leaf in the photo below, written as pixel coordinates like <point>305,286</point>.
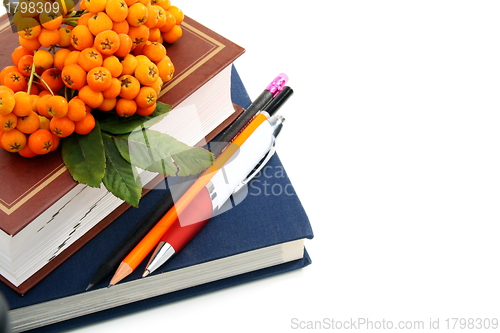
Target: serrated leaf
<point>158,152</point>
<point>114,124</point>
<point>121,177</point>
<point>84,157</point>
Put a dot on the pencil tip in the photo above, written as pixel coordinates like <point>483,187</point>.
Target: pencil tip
<point>89,286</point>
<point>146,273</point>
<point>111,285</point>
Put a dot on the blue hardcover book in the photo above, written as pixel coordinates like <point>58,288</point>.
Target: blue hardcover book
<point>259,236</point>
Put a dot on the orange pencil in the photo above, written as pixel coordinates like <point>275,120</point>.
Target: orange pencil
<point>149,242</point>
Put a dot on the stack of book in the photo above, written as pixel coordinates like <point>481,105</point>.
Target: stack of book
<point>50,254</point>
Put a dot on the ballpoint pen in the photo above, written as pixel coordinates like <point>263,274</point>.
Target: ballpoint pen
<point>253,155</point>
<point>270,94</point>
<point>148,243</point>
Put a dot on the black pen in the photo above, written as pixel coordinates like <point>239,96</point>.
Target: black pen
<point>111,263</point>
<point>260,103</point>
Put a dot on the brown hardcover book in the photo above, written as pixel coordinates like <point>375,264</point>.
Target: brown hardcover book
<point>31,187</point>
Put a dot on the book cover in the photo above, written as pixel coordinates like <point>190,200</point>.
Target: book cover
<point>28,185</point>
<point>278,219</point>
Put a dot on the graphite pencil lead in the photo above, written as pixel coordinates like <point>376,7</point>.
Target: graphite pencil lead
<point>89,286</point>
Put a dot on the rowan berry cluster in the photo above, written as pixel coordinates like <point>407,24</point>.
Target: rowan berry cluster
<point>108,55</point>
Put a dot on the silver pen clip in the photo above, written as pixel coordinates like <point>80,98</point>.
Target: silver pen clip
<point>277,124</point>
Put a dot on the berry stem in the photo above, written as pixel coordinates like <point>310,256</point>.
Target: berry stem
<point>32,75</point>
<point>46,85</point>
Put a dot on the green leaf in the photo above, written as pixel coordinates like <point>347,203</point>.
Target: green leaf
<point>121,177</point>
<point>158,152</point>
<point>114,124</point>
<point>84,157</point>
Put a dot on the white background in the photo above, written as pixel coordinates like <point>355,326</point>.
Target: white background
<point>392,144</point>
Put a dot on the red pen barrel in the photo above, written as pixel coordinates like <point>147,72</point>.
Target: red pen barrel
<point>190,221</point>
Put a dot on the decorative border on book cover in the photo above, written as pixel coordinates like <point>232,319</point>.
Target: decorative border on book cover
<point>215,47</point>
<point>9,208</point>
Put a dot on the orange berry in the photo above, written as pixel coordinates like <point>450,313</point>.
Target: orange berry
<point>179,15</point>
<point>107,42</point>
<point>40,105</point>
<point>147,73</point>
<point>56,106</point>
<point>74,76</point>
<point>22,108</point>
<point>34,89</point>
<point>14,140</point>
<point>34,101</point>
<point>117,10</point>
<point>91,97</point>
<point>43,59</point>
<point>154,51</point>
<point>76,109</point>
<point>153,16</point>
<point>27,152</point>
<point>52,79</point>
<point>7,102</point>
<point>90,58</point>
<point>48,37</point>
<point>146,97</point>
<point>157,86</point>
<point>155,35</point>
<point>114,65</point>
<point>146,111</point>
<point>95,6</point>
<point>72,58</point>
<point>29,44</point>
<point>84,19</point>
<point>129,63</point>
<point>28,28</point>
<point>8,122</point>
<point>137,14</point>
<point>86,125</point>
<point>169,21</point>
<point>173,35</point>
<point>108,104</point>
<point>19,52</point>
<point>166,68</point>
<point>44,122</point>
<point>60,57</point>
<point>5,88</point>
<point>99,22</point>
<point>121,27</point>
<point>125,107</point>
<point>65,36</point>
<point>113,90</point>
<point>81,37</point>
<point>29,123</point>
<point>130,2</point>
<point>62,126</point>
<point>55,141</point>
<point>25,64</point>
<point>50,20</point>
<point>99,78</point>
<point>15,81</point>
<point>41,141</point>
<point>165,4</point>
<point>138,34</point>
<point>130,86</point>
<point>6,70</point>
<point>125,45</point>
